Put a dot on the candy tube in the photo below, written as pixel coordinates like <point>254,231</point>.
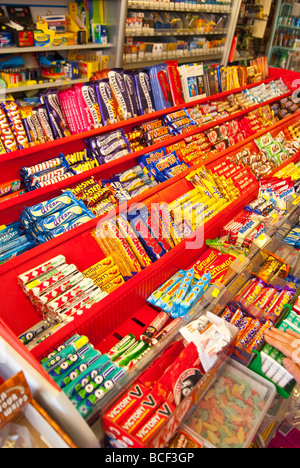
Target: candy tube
<point>40,269</point>
<point>85,376</point>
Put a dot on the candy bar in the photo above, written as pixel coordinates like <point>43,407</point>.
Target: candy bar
<point>131,353</point>
<point>87,405</point>
<point>145,432</point>
<point>57,119</point>
<point>106,102</point>
<point>141,413</point>
<point>60,287</point>
<point>77,368</point>
<point>155,326</point>
<point>128,77</point>
<point>124,406</point>
<point>86,375</point>
<point>44,123</point>
<point>107,276</point>
<point>40,269</point>
<point>99,268</point>
<point>166,330</point>
<point>49,280</point>
<point>113,284</point>
<point>133,242</point>
<point>64,352</point>
<point>87,99</point>
<point>74,114</point>
<point>71,361</point>
<point>154,297</point>
<point>46,165</point>
<point>144,93</point>
<point>64,298</point>
<point>120,95</point>
<point>66,227</point>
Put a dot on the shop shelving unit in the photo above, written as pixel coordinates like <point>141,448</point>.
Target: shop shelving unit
<point>126,308</point>
<point>111,10</point>
<point>283,10</point>
<point>219,54</point>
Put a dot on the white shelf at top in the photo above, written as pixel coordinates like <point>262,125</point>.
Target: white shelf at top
<point>22,50</point>
<point>146,32</point>
<point>180,6</point>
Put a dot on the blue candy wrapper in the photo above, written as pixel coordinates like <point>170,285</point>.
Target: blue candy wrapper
<point>49,223</point>
<point>144,92</point>
<point>10,232</point>
<point>46,208</point>
<point>161,89</point>
<point>37,169</point>
<point>120,94</point>
<point>16,251</point>
<point>155,296</point>
<point>66,227</point>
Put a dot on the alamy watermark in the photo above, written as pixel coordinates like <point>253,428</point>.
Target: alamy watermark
<point>155,221</point>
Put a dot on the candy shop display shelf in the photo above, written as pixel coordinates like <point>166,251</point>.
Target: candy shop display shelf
<point>73,245</point>
<point>131,123</point>
<point>125,309</point>
<point>105,323</point>
<point>11,163</point>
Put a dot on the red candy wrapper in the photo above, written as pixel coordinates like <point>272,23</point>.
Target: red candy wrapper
<point>175,82</point>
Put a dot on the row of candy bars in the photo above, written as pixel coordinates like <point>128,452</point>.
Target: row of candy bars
<point>91,198</point>
<point>119,96</point>
<point>54,217</point>
<point>108,147</point>
<point>229,180</point>
<point>82,372</point>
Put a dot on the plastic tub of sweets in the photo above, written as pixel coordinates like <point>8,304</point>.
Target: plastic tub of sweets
<point>232,410</point>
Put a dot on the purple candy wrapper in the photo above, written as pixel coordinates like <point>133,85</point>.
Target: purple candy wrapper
<point>57,120</point>
<point>106,102</point>
<point>131,92</point>
<point>144,93</point>
<point>37,125</point>
<point>30,130</point>
<point>43,118</point>
<point>120,94</point>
